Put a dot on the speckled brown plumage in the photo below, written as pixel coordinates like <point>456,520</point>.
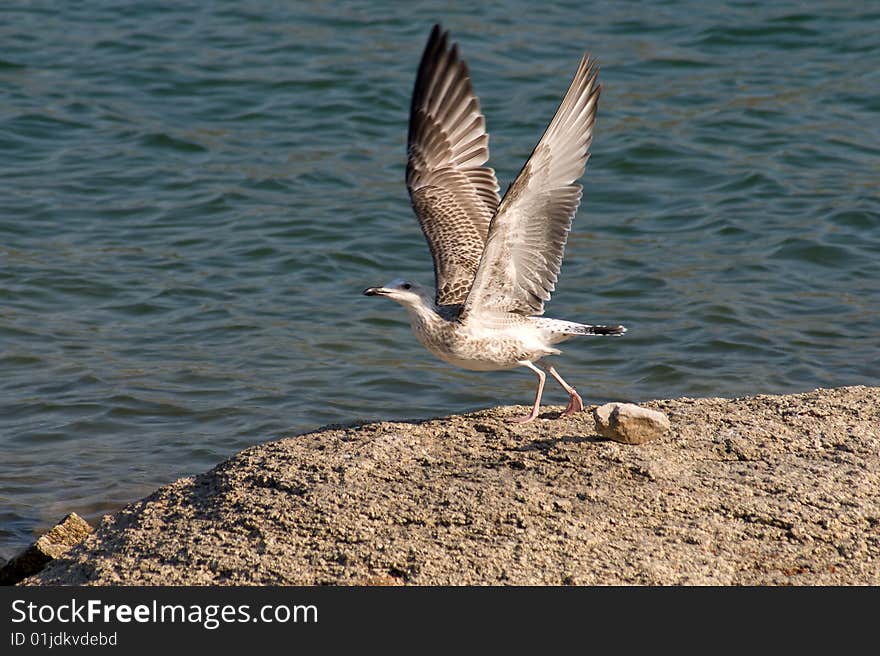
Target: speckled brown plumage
<point>453,195</point>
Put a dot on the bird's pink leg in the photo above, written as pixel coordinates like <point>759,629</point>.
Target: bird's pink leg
<point>541,378</point>
<point>575,403</point>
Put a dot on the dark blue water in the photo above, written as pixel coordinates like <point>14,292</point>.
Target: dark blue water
<point>193,196</point>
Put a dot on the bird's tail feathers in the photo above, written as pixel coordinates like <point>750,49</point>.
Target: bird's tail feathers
<point>585,329</point>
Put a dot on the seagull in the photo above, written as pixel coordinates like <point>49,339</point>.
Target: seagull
<point>496,261</point>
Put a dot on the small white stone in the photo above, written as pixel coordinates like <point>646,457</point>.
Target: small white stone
<point>629,423</point>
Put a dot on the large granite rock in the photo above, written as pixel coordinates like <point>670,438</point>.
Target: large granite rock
<point>761,490</point>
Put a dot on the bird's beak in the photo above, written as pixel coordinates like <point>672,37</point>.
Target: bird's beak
<point>376,291</point>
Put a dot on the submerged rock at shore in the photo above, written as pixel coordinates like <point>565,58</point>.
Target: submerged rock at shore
<point>629,423</point>
<point>68,532</point>
<point>759,490</point>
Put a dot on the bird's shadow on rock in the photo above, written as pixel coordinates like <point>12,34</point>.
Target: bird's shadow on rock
<point>548,443</point>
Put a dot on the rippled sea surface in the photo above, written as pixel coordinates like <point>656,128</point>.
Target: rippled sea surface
<point>193,196</point>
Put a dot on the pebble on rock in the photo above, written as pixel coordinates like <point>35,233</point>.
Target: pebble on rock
<point>629,423</point>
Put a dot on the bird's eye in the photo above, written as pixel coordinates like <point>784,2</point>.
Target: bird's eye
<point>406,285</point>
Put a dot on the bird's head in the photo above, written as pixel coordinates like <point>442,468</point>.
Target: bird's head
<point>405,292</point>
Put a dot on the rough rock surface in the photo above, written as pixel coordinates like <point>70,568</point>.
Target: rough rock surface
<point>759,490</point>
<point>52,544</point>
<point>630,423</point>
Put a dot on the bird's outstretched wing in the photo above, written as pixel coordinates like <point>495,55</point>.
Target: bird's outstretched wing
<point>520,263</point>
<point>454,196</point>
